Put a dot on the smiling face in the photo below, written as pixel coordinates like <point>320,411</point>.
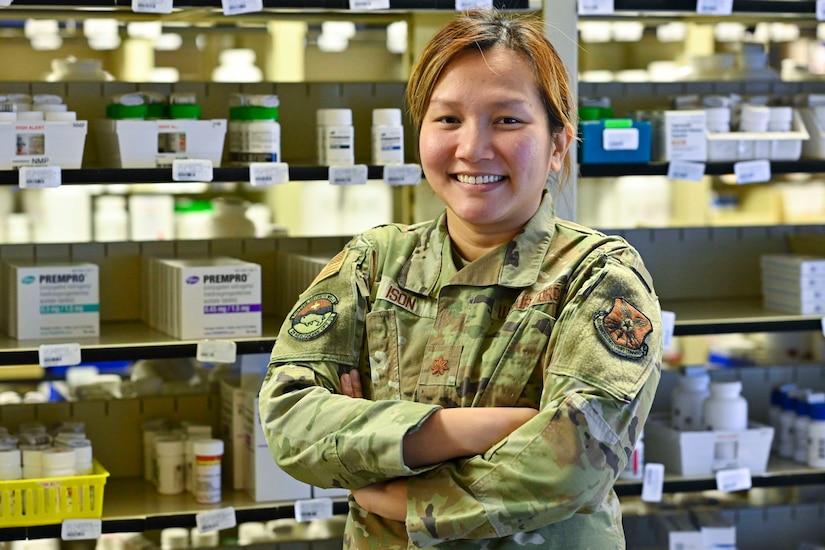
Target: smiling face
<point>485,143</point>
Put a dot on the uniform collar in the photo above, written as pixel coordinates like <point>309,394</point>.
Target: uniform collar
<point>516,264</point>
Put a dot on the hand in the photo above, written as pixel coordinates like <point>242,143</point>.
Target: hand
<point>351,384</point>
<point>387,499</point>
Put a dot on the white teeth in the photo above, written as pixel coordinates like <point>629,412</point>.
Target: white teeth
<point>475,180</point>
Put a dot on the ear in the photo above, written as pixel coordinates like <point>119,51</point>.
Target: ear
<point>561,144</point>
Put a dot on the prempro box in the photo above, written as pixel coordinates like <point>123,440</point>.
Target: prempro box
<point>57,300</point>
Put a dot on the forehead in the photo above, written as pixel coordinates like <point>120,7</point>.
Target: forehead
<point>474,72</point>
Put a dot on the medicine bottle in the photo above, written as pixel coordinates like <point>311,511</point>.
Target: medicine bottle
<point>816,436</point>
<point>58,462</point>
<point>687,401</point>
<point>174,537</point>
<point>337,138</point>
<point>210,539</point>
<point>169,465</point>
<point>787,422</point>
<point>207,478</point>
<point>387,137</point>
<point>775,411</point>
<point>111,221</point>
<point>802,425</point>
<point>725,408</point>
<point>229,219</point>
<point>10,461</point>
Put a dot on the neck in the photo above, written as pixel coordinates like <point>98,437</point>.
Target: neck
<point>472,242</point>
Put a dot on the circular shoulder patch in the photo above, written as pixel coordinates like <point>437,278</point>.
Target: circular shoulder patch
<point>623,329</point>
<point>313,316</point>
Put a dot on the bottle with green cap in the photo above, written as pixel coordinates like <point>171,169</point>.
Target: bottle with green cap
<point>254,133</point>
<point>181,106</point>
<point>127,107</point>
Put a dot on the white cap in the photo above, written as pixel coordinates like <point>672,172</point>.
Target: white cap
<point>386,117</point>
<point>204,540</point>
<point>10,457</point>
<point>8,116</point>
<point>207,447</point>
<point>26,116</point>
<point>174,537</point>
<point>65,116</point>
<point>337,117</point>
<point>169,446</point>
<point>50,107</point>
<point>252,532</point>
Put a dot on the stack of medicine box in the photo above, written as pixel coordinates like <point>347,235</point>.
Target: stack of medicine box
<point>793,282</point>
<point>49,300</point>
<point>191,298</point>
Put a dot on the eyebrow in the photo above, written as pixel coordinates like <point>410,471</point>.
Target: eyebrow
<point>496,104</point>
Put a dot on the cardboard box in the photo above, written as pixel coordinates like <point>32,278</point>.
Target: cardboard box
<point>42,143</point>
<point>679,532</point>
<point>698,453</point>
<point>234,434</point>
<point>603,143</point>
<point>717,531</point>
<point>265,481</point>
<point>157,143</point>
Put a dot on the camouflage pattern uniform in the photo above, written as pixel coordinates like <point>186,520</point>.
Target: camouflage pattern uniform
<point>563,319</point>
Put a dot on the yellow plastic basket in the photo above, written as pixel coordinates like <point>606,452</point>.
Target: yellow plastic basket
<point>47,501</point>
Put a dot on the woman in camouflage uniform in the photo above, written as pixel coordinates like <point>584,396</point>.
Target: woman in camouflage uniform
<point>479,380</point>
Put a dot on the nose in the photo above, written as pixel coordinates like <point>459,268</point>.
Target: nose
<point>474,142</point>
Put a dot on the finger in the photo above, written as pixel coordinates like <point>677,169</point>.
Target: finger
<point>355,382</point>
<point>346,385</point>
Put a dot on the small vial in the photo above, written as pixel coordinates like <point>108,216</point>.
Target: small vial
<point>207,478</point>
<point>169,465</point>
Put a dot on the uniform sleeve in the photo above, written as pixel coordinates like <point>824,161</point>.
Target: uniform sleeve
<point>314,433</point>
<point>600,377</point>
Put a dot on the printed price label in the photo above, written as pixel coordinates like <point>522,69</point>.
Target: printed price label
<point>215,520</point>
<point>59,355</point>
<point>653,482</point>
<point>216,351</point>
<point>402,174</point>
<point>81,529</point>
<point>752,171</point>
<point>369,4</point>
<point>234,7</point>
<point>462,5</point>
<point>39,177</point>
<point>735,479</point>
<point>820,10</point>
<point>714,7</point>
<point>668,325</point>
<point>596,7</point>
<point>316,508</point>
<point>620,139</point>
<point>192,170</point>
<point>348,175</point>
<point>152,6</point>
<point>262,174</point>
<point>683,170</point>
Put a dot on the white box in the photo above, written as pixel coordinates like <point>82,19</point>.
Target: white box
<point>679,531</point>
<point>233,431</point>
<point>42,143</point>
<point>692,453</point>
<point>265,480</point>
<point>145,143</point>
<point>736,146</point>
<point>685,136</point>
<point>717,531</point>
<point>54,300</point>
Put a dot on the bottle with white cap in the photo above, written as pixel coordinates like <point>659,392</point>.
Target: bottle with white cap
<point>387,137</point>
<point>10,460</point>
<point>207,471</point>
<point>337,137</point>
<point>169,465</point>
<point>209,539</point>
<point>725,410</point>
<point>687,400</point>
<point>174,537</point>
<point>816,436</point>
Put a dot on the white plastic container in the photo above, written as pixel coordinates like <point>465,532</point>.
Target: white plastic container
<point>816,436</point>
<point>725,410</point>
<point>10,468</point>
<point>387,137</point>
<point>111,220</point>
<point>207,478</point>
<point>169,465</point>
<point>687,402</point>
<point>787,421</point>
<point>59,462</point>
<point>210,539</point>
<point>775,411</point>
<point>174,537</point>
<point>337,138</point>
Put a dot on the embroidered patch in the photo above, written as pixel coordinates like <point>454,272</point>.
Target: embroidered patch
<point>331,268</point>
<point>313,317</point>
<point>624,329</point>
<point>439,367</point>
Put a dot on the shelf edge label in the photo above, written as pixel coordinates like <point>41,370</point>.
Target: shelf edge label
<point>59,355</point>
<point>81,529</point>
<point>216,351</point>
<point>39,177</point>
<point>315,508</point>
<point>653,482</point>
<point>216,520</point>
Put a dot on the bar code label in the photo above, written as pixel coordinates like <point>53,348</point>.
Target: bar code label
<point>316,508</point>
<point>684,170</point>
<point>59,355</point>
<point>820,10</point>
<point>81,529</point>
<point>596,7</point>
<point>714,7</point>
<point>215,520</point>
<point>262,174</point>
<point>402,174</point>
<point>462,5</point>
<point>39,177</point>
<point>369,4</point>
<point>152,6</point>
<point>192,170</point>
<point>736,479</point>
<point>348,175</point>
<point>234,7</point>
<point>216,351</point>
<point>752,171</point>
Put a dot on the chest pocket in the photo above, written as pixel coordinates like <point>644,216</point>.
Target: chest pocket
<point>517,380</point>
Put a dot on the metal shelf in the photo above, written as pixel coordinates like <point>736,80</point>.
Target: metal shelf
<point>697,316</point>
<point>781,7</point>
<point>711,168</point>
<point>280,5</point>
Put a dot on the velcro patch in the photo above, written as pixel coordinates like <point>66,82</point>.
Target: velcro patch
<point>624,329</point>
<point>313,317</point>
